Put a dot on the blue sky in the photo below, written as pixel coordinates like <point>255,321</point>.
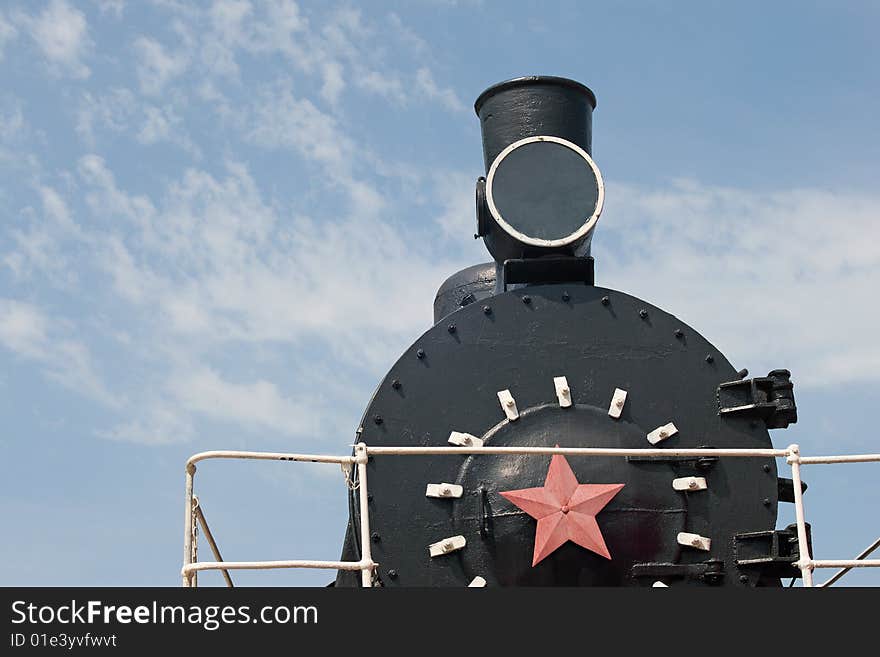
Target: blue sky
<point>221,222</point>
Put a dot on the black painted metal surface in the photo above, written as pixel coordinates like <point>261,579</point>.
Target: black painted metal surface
<point>464,287</point>
<point>531,106</point>
<point>563,331</point>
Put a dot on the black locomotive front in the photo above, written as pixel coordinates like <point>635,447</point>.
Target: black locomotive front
<point>526,351</point>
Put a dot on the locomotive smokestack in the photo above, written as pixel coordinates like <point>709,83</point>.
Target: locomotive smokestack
<point>532,106</point>
<point>542,193</point>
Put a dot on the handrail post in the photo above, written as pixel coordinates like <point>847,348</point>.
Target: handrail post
<point>188,524</point>
<point>805,562</point>
<point>366,554</point>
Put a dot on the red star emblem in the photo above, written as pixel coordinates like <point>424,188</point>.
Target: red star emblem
<point>565,510</point>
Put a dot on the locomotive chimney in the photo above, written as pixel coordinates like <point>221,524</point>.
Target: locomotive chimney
<point>532,106</point>
<point>542,193</point>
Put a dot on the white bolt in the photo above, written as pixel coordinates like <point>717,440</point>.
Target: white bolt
<point>663,433</point>
<point>619,403</point>
<point>447,546</point>
<point>509,402</point>
<point>695,542</point>
<point>692,483</point>
<point>564,391</point>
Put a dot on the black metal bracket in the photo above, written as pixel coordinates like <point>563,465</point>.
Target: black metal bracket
<point>769,398</point>
<point>484,512</point>
<point>555,269</point>
<point>702,463</point>
<point>772,552</point>
<point>483,216</point>
<point>785,489</point>
<point>710,571</point>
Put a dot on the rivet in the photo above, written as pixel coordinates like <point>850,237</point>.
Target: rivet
<point>742,578</point>
<point>369,497</point>
<point>710,358</point>
<point>420,353</point>
<point>395,384</point>
<point>679,333</point>
<point>527,299</point>
<point>375,536</point>
<point>765,467</point>
<point>606,301</point>
<point>566,296</point>
<point>643,313</point>
<point>451,328</point>
<point>378,419</point>
<point>766,501</point>
<point>392,574</point>
<point>487,310</point>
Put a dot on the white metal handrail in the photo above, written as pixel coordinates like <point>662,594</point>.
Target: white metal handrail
<point>191,566</point>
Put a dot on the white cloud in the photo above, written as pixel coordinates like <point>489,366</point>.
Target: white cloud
<point>61,33</point>
<point>156,127</point>
<point>156,66</point>
<point>12,123</point>
<point>339,48</point>
<point>121,112</point>
<point>236,261</point>
<point>384,84</point>
<point>254,404</point>
<point>152,424</point>
<point>39,245</point>
<point>774,279</point>
<point>446,96</point>
<point>278,119</point>
<point>455,192</point>
<point>31,334</point>
<point>115,7</point>
<point>7,34</point>
<point>334,83</point>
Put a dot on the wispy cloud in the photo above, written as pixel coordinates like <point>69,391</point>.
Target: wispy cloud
<point>156,66</point>
<point>446,96</point>
<point>341,48</point>
<point>114,7</point>
<point>61,33</point>
<point>119,112</point>
<point>7,33</point>
<point>12,122</point>
<point>30,333</point>
<point>772,277</point>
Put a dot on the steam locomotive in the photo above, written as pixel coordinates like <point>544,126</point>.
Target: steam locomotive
<point>527,351</point>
